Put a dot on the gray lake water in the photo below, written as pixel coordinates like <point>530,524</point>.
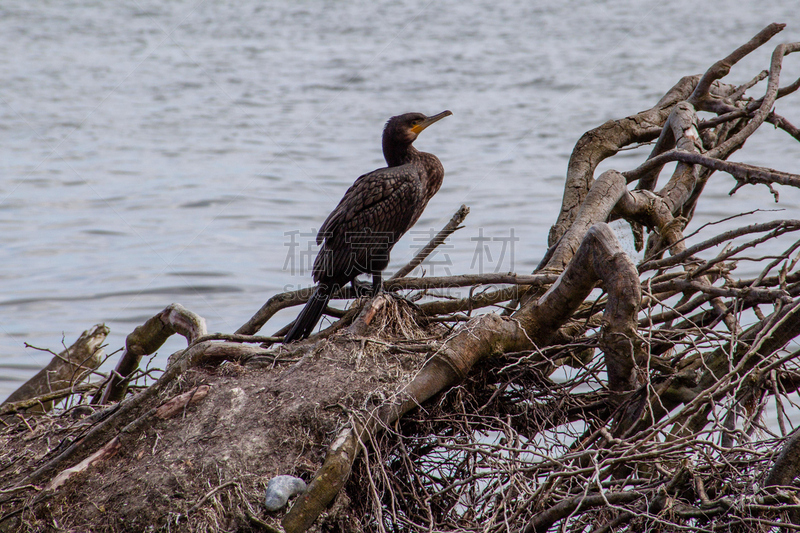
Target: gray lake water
<point>186,151</point>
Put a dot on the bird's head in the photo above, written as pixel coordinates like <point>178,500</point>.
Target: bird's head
<point>404,129</point>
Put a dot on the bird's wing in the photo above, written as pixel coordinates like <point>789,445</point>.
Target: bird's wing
<point>373,214</point>
<point>373,201</point>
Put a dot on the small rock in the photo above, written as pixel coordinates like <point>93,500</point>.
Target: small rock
<point>280,489</point>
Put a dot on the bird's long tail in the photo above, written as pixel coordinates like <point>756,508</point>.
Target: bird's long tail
<point>311,313</point>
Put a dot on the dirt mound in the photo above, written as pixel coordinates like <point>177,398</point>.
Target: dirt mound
<point>206,469</point>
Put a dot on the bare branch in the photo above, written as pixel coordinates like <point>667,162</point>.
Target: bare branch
<point>452,226</point>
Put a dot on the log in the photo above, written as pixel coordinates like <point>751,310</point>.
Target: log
<point>65,370</point>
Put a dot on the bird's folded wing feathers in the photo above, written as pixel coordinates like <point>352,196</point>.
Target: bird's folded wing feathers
<point>374,201</point>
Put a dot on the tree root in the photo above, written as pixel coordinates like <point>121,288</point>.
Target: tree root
<point>148,338</point>
<point>64,371</point>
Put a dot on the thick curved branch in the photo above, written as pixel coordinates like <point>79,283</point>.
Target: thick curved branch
<point>272,306</point>
<point>610,194</point>
<point>604,142</point>
<point>761,114</point>
<point>146,339</point>
<point>683,123</point>
<point>721,68</point>
<point>599,258</point>
<point>601,199</point>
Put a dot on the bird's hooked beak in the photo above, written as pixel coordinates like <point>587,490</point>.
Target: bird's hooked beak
<point>430,120</point>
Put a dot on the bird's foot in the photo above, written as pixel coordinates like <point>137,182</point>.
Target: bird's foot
<point>376,290</point>
<point>362,288</point>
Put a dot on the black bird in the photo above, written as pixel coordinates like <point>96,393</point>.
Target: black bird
<point>374,213</point>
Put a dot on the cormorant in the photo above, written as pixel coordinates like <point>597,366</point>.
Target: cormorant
<point>374,213</point>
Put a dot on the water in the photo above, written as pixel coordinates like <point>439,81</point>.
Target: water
<point>158,152</point>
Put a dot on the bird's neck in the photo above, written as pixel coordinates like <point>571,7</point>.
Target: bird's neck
<point>434,173</point>
<point>432,170</point>
<point>399,154</point>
